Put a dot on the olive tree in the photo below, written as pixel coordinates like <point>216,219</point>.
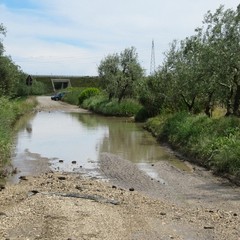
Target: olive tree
<point>109,72</point>
<point>183,65</point>
<point>221,35</point>
<point>119,73</point>
<point>204,69</point>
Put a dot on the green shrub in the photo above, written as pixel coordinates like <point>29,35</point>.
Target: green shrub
<point>142,115</point>
<point>214,143</point>
<point>37,88</point>
<point>73,95</point>
<point>94,103</point>
<point>155,125</point>
<point>101,104</point>
<point>87,93</point>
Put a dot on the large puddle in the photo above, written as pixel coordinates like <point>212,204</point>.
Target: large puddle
<point>72,142</point>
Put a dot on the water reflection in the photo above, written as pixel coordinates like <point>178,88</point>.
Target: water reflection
<point>72,140</point>
<point>124,138</point>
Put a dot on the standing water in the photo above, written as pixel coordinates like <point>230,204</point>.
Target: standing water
<point>73,142</point>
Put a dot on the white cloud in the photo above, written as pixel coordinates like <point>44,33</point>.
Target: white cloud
<point>71,37</point>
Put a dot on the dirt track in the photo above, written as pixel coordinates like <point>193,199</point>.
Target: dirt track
<point>185,205</point>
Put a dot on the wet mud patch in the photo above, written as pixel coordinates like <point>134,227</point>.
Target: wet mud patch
<point>127,175</point>
<point>28,163</point>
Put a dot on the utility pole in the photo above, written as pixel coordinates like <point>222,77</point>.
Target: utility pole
<point>152,64</point>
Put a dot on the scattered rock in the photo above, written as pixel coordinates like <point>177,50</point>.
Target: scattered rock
<point>23,178</point>
<point>61,161</point>
<point>3,214</point>
<point>61,178</point>
<point>131,189</point>
<point>32,193</point>
<point>2,187</point>
<point>208,227</point>
<point>14,171</point>
<point>163,213</point>
<point>79,188</point>
<point>74,162</point>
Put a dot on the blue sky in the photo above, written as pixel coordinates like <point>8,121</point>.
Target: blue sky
<point>72,37</point>
<point>18,4</point>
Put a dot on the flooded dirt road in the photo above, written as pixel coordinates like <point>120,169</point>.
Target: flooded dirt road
<point>170,204</point>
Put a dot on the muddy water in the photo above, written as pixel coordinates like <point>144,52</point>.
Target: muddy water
<point>73,142</point>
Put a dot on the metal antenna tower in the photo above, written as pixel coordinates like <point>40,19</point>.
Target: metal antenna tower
<point>152,64</point>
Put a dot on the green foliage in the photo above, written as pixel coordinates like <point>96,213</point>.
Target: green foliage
<point>10,75</point>
<point>155,125</point>
<point>120,73</point>
<point>95,103</point>
<point>12,78</point>
<point>142,115</point>
<point>37,88</point>
<point>101,104</point>
<point>154,93</point>
<point>211,142</point>
<point>2,32</point>
<point>87,93</point>
<point>199,72</point>
<point>182,129</point>
<point>72,95</point>
<point>10,111</point>
<point>76,95</point>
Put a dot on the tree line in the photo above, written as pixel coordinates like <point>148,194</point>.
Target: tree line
<point>12,78</point>
<point>198,74</point>
<point>10,73</point>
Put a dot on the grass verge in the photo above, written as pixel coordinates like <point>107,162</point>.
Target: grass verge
<point>10,111</point>
<point>213,143</point>
<point>94,100</point>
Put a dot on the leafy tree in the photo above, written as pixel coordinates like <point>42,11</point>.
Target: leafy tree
<point>87,93</point>
<point>109,72</point>
<point>7,69</point>
<point>2,32</point>
<point>119,73</point>
<point>185,74</point>
<point>204,69</point>
<point>10,76</point>
<point>154,93</point>
<point>221,35</point>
